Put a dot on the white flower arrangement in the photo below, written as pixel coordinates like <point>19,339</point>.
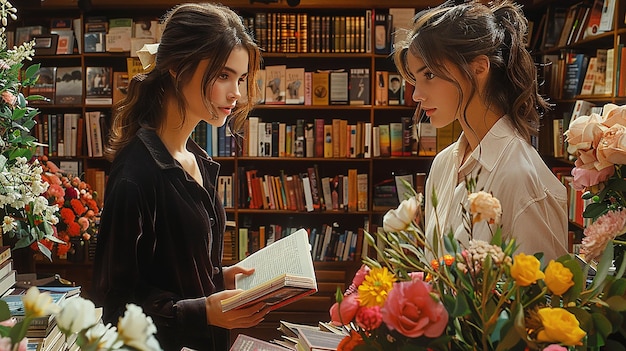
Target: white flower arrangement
<point>79,316</point>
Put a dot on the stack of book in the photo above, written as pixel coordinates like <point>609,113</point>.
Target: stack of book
<point>43,333</point>
<point>7,273</point>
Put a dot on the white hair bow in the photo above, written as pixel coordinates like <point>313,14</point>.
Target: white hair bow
<point>147,56</point>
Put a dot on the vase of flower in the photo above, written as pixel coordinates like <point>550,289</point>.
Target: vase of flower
<point>23,258</point>
<point>77,251</point>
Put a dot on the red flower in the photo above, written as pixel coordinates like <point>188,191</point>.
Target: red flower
<point>67,215</point>
<point>73,229</point>
<point>350,342</point>
<point>78,207</point>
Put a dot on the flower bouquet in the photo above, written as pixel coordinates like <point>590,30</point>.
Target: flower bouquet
<point>78,319</point>
<point>598,142</point>
<point>26,215</point>
<point>78,210</point>
<point>481,297</point>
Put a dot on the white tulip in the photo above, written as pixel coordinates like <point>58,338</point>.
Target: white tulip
<point>38,304</point>
<point>105,336</point>
<point>76,314</point>
<point>135,328</point>
<point>399,219</point>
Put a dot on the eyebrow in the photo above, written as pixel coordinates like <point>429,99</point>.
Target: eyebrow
<point>421,69</point>
<point>226,68</point>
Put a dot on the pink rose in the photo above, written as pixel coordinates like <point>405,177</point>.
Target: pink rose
<point>9,322</point>
<point>586,177</point>
<point>612,146</point>
<point>413,310</point>
<point>613,115</point>
<point>555,347</point>
<point>344,312</point>
<point>369,318</point>
<point>584,133</point>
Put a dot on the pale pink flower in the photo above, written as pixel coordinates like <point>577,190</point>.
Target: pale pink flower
<point>369,318</point>
<point>599,233</point>
<point>612,146</point>
<point>84,223</point>
<point>416,275</point>
<point>584,133</point>
<point>483,206</point>
<point>414,310</point>
<point>8,97</point>
<point>587,177</point>
<point>555,347</point>
<point>360,275</point>
<point>9,322</point>
<point>5,344</point>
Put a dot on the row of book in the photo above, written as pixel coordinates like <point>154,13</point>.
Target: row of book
<point>571,74</point>
<point>347,86</point>
<point>560,125</point>
<point>71,134</point>
<point>328,243</point>
<point>566,24</point>
<point>305,191</point>
<point>97,34</point>
<point>69,86</point>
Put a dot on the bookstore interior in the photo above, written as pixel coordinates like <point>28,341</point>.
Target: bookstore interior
<point>330,151</point>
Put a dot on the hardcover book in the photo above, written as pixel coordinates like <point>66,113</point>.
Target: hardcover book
<point>275,86</point>
<point>360,86</point>
<point>320,85</point>
<point>283,274</point>
<point>98,90</point>
<point>44,85</point>
<point>294,86</point>
<point>69,86</point>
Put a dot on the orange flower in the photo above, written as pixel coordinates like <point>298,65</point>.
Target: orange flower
<point>73,229</point>
<point>77,206</point>
<point>350,342</point>
<point>67,215</point>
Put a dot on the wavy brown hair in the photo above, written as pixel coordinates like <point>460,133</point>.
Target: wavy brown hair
<point>457,34</point>
<point>192,32</point>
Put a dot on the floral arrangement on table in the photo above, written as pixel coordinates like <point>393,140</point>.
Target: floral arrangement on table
<point>481,297</point>
<point>134,330</point>
<point>78,209</point>
<point>26,215</point>
<point>599,144</point>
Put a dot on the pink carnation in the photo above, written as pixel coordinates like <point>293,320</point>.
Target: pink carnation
<point>369,318</point>
<point>344,312</point>
<point>555,347</point>
<point>413,310</point>
<point>360,275</point>
<point>600,232</point>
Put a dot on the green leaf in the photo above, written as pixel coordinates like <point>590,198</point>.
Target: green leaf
<point>617,303</point>
<point>595,210</point>
<point>31,71</point>
<point>606,261</point>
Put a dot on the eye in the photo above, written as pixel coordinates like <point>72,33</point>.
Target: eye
<point>242,80</point>
<point>429,75</point>
<point>223,76</point>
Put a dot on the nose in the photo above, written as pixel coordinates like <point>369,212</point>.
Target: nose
<point>235,94</point>
<point>417,95</point>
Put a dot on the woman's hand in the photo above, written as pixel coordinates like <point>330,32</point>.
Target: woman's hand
<point>238,318</point>
<point>231,272</point>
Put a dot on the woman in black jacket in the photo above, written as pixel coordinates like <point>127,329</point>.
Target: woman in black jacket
<point>162,226</point>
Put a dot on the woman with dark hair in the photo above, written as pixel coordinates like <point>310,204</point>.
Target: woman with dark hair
<point>469,63</point>
<point>161,233</point>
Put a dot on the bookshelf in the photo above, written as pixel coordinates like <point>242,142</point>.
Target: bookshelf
<point>352,215</point>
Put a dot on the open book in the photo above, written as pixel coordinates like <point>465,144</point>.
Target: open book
<point>283,273</point>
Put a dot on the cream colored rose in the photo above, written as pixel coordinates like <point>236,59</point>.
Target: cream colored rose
<point>136,329</point>
<point>612,146</point>
<point>399,219</point>
<point>483,206</point>
<point>76,314</point>
<point>584,132</point>
<point>613,114</point>
<point>38,304</point>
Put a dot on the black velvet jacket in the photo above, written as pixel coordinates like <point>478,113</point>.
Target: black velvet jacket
<point>160,243</point>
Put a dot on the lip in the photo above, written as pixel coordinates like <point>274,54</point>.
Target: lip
<point>429,111</point>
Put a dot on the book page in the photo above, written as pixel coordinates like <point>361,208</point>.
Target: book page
<point>290,255</point>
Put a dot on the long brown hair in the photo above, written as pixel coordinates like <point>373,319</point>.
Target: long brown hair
<point>192,32</point>
<point>459,33</point>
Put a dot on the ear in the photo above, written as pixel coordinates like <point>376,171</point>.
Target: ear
<point>480,65</point>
